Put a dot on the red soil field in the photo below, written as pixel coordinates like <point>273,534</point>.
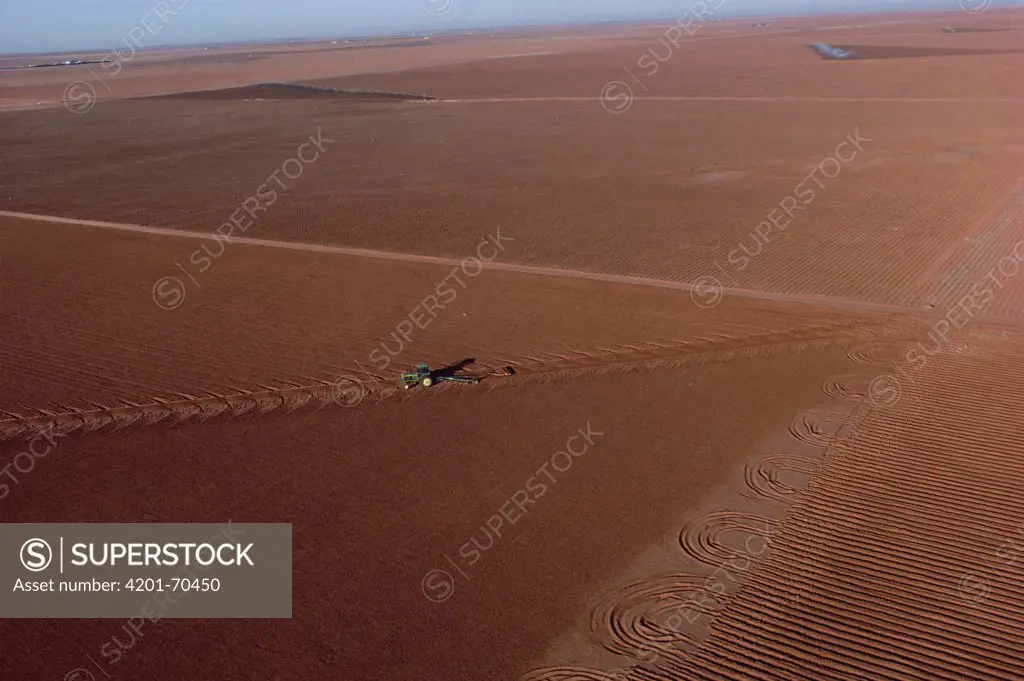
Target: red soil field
<point>672,189</point>
<point>893,563</point>
<point>89,361</point>
<point>157,71</point>
<point>364,537</point>
<point>806,465</point>
<point>687,214</point>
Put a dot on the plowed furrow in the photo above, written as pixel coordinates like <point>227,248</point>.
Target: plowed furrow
<point>274,399</point>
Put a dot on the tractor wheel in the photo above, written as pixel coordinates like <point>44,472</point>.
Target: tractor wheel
<point>427,382</point>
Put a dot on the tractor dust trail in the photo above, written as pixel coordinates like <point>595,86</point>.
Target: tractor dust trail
<point>822,301</point>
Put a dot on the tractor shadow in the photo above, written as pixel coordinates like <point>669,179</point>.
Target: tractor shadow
<point>454,369</point>
<point>460,368</point>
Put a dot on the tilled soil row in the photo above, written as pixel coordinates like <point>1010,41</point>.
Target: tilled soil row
<point>354,390</point>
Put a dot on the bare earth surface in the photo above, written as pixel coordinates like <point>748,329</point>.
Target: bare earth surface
<point>804,439</point>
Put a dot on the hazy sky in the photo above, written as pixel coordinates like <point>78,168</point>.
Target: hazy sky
<point>52,25</point>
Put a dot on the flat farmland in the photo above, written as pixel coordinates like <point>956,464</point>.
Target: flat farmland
<point>918,61</point>
<point>112,344</point>
<point>872,573</point>
<point>374,511</point>
<point>668,190</point>
<point>778,296</point>
<point>158,71</point>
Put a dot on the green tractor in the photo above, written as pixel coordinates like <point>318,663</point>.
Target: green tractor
<point>423,375</point>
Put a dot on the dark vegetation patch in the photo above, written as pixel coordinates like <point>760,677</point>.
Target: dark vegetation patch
<point>297,91</point>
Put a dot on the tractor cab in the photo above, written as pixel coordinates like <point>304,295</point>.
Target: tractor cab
<point>420,374</point>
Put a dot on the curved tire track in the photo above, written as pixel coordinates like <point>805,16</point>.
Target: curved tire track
<point>764,479</point>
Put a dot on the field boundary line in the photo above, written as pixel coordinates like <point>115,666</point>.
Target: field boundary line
<point>807,299</point>
<point>323,393</point>
<point>700,98</point>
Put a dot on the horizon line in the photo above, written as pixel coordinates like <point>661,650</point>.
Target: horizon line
<point>582,23</point>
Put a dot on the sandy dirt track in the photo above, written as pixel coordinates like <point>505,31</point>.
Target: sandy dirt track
<point>496,266</point>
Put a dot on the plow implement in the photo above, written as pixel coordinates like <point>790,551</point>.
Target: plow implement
<point>423,375</point>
